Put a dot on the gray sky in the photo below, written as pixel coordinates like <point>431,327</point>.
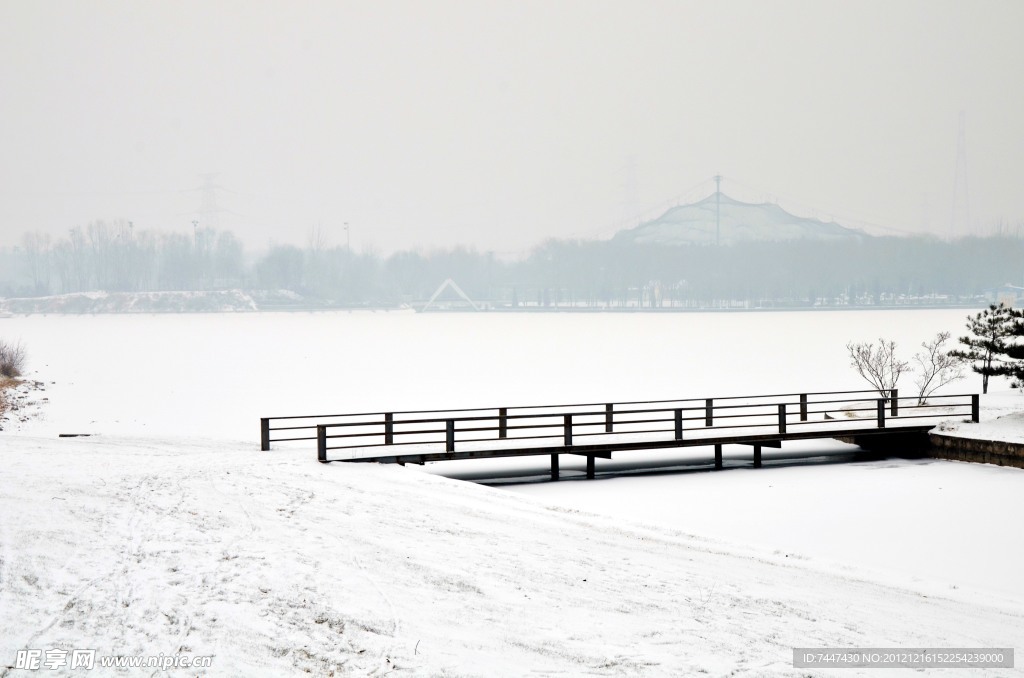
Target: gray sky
<point>497,124</point>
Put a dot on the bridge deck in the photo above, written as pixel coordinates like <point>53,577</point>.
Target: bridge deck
<point>626,443</point>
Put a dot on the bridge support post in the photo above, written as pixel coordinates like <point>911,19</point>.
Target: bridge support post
<point>679,423</point>
<point>803,407</point>
<point>718,457</point>
<point>449,435</point>
<point>590,467</point>
<point>554,467</point>
<point>881,413</point>
<point>321,443</point>
<point>567,429</point>
<point>264,434</point>
<point>894,410</point>
<point>609,417</point>
<point>782,418</point>
<point>975,408</point>
<point>503,422</point>
<point>389,428</point>
<point>757,456</point>
<point>709,416</point>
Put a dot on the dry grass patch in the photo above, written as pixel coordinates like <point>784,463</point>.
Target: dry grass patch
<point>12,359</point>
<point>5,383</point>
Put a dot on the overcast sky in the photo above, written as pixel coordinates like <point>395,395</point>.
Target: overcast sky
<point>497,124</point>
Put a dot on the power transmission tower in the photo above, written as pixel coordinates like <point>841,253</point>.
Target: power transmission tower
<point>630,190</point>
<point>960,222</point>
<point>209,210</point>
<point>718,210</point>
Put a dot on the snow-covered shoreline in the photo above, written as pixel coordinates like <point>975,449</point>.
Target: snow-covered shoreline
<point>1002,420</point>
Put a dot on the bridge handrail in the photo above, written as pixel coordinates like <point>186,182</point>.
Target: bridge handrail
<point>619,418</point>
<point>593,404</point>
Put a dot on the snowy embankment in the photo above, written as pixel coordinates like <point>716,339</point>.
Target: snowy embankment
<point>209,301</point>
<point>276,565</point>
<point>1002,419</point>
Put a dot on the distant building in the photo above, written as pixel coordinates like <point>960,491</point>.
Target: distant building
<point>1008,294</point>
<point>721,219</point>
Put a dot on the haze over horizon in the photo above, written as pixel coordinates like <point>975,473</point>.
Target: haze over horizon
<point>499,124</point>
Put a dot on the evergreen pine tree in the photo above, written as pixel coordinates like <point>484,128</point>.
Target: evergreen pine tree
<point>989,332</point>
<point>1013,349</point>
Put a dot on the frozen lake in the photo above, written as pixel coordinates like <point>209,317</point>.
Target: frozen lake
<point>213,376</point>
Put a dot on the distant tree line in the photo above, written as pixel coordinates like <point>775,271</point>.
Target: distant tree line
<point>113,257</point>
<point>116,257</point>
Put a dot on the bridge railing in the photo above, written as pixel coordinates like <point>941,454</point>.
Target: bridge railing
<point>569,425</point>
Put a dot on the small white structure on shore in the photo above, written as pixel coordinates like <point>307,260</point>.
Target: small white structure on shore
<point>449,284</point>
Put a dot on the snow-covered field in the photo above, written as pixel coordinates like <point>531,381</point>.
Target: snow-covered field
<point>168,532</point>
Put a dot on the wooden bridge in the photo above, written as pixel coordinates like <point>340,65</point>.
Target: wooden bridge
<point>595,430</point>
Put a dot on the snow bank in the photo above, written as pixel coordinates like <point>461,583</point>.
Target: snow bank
<point>133,302</point>
<point>1002,419</point>
<point>278,566</point>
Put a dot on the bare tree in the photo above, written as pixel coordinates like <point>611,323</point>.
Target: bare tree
<point>877,364</point>
<point>37,258</point>
<point>936,367</point>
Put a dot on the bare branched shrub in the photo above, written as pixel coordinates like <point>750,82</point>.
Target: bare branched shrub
<point>936,367</point>
<point>12,359</point>
<point>877,364</point>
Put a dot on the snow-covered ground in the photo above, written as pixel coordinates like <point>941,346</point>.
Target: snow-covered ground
<point>277,565</point>
<point>895,516</point>
<point>1002,419</point>
<point>167,531</point>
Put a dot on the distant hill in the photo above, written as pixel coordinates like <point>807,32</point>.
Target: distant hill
<point>740,222</point>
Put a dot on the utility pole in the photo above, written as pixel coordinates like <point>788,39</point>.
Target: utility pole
<point>718,210</point>
<point>348,241</point>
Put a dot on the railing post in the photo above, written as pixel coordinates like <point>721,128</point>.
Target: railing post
<point>264,434</point>
<point>782,418</point>
<point>881,413</point>
<point>389,428</point>
<point>679,423</point>
<point>567,426</point>
<point>894,410</point>
<point>321,443</point>
<point>975,408</point>
<point>803,407</point>
<point>503,422</point>
<point>709,418</point>
<point>449,435</point>
<point>609,417</point>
